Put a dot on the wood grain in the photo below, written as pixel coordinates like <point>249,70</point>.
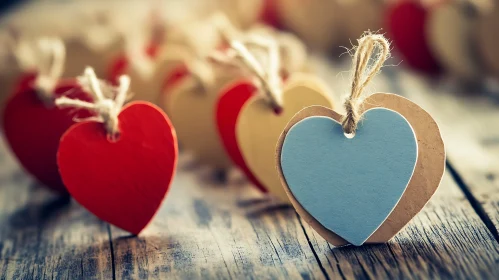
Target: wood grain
<point>468,121</point>
<point>206,229</point>
<point>446,240</point>
<point>43,236</point>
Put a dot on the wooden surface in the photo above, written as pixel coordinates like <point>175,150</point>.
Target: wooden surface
<point>210,229</point>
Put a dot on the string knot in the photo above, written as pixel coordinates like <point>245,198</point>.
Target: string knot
<point>107,109</point>
<point>46,56</point>
<point>268,75</point>
<point>363,73</point>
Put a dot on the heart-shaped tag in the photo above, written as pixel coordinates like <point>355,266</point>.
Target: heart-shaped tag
<point>406,23</point>
<point>406,175</point>
<point>350,185</point>
<point>192,109</point>
<point>232,99</point>
<point>122,182</point>
<point>430,165</point>
<point>258,126</point>
<point>33,128</point>
<point>120,165</point>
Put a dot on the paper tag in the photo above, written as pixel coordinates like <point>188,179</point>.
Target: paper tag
<point>125,181</point>
<point>192,111</point>
<point>258,127</point>
<point>406,22</point>
<point>229,105</point>
<point>425,179</point>
<point>33,128</point>
<point>350,184</point>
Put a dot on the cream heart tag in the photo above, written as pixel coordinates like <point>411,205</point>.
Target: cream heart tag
<point>262,116</point>
<point>258,126</point>
<point>192,107</point>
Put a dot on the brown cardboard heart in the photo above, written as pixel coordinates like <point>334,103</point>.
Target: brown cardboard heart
<point>258,126</point>
<point>430,165</point>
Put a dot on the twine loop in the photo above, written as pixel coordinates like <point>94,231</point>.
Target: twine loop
<point>267,76</point>
<point>107,109</point>
<point>46,56</point>
<point>363,73</point>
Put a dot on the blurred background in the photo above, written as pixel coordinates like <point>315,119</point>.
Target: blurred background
<point>449,40</point>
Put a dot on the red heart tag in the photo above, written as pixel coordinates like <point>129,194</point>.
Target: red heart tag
<point>124,181</point>
<point>33,129</point>
<point>229,105</point>
<point>406,24</point>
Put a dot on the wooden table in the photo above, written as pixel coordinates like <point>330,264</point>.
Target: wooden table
<point>210,229</point>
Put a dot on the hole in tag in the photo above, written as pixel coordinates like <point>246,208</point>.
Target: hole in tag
<point>349,135</point>
<point>113,138</point>
<point>278,111</point>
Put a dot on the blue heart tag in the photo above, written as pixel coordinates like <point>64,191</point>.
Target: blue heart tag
<point>350,186</point>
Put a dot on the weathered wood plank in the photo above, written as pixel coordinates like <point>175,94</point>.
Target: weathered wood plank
<point>469,124</point>
<point>217,231</point>
<point>446,240</point>
<point>43,236</point>
<point>212,230</point>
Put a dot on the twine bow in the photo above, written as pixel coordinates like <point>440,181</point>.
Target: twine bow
<point>363,73</point>
<point>107,109</point>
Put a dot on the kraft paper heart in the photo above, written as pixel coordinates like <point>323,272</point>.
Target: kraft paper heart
<point>350,185</point>
<point>425,180</point>
<point>119,166</point>
<point>258,126</point>
<point>192,110</point>
<point>33,128</point>
<point>407,121</point>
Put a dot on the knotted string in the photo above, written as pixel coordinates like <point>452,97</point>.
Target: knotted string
<point>107,109</point>
<point>50,67</point>
<point>268,78</point>
<point>363,73</point>
<point>46,56</point>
